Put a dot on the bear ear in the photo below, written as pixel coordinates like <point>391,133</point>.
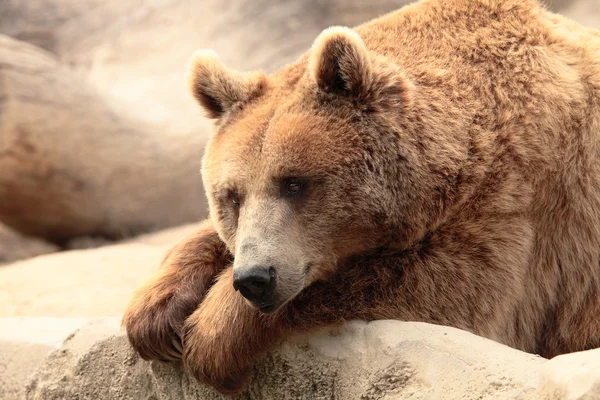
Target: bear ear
<point>340,63</point>
<point>216,87</point>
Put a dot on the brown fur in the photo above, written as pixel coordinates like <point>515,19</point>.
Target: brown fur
<point>452,154</point>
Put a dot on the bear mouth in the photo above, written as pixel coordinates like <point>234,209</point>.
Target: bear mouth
<point>268,309</point>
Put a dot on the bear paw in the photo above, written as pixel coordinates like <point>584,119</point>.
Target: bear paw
<point>154,330</point>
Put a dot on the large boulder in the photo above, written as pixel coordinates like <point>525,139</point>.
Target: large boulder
<point>70,165</point>
<point>362,361</point>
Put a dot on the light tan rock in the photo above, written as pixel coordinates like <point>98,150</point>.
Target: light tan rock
<point>14,246</point>
<point>380,360</point>
<point>83,283</point>
<point>70,165</point>
<point>24,345</point>
<point>572,377</point>
<point>367,361</point>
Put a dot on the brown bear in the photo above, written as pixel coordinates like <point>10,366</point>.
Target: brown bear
<point>438,164</point>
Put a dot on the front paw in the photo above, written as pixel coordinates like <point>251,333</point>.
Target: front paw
<point>154,328</point>
<point>154,319</point>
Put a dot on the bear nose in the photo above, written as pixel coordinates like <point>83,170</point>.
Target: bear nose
<point>254,282</point>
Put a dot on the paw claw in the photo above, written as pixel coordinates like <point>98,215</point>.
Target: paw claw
<point>176,342</point>
<point>154,338</point>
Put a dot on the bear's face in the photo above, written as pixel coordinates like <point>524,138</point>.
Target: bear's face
<point>307,168</point>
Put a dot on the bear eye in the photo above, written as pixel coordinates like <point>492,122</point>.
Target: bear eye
<point>293,186</point>
<point>234,197</point>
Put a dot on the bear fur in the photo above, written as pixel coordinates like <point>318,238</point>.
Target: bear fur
<point>439,164</point>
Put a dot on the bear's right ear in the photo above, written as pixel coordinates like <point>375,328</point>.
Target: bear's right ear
<point>218,88</point>
<point>340,64</point>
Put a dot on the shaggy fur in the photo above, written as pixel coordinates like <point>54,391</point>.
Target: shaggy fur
<point>450,167</point>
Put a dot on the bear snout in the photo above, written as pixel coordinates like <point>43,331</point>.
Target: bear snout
<point>257,284</point>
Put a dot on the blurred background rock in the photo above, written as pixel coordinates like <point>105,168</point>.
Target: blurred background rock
<point>99,138</point>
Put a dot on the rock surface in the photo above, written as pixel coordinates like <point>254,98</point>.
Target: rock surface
<point>14,246</point>
<point>572,376</point>
<point>84,283</point>
<point>24,345</point>
<point>363,361</point>
<point>70,166</point>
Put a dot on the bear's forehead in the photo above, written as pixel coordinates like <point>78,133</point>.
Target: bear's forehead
<point>280,135</point>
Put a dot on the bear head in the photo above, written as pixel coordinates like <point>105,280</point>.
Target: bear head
<point>324,160</point>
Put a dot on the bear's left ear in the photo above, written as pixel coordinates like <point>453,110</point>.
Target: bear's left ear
<point>340,63</point>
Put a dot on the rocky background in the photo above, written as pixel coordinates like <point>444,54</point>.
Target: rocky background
<point>100,145</point>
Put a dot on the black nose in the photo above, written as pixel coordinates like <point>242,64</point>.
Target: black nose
<point>254,283</point>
